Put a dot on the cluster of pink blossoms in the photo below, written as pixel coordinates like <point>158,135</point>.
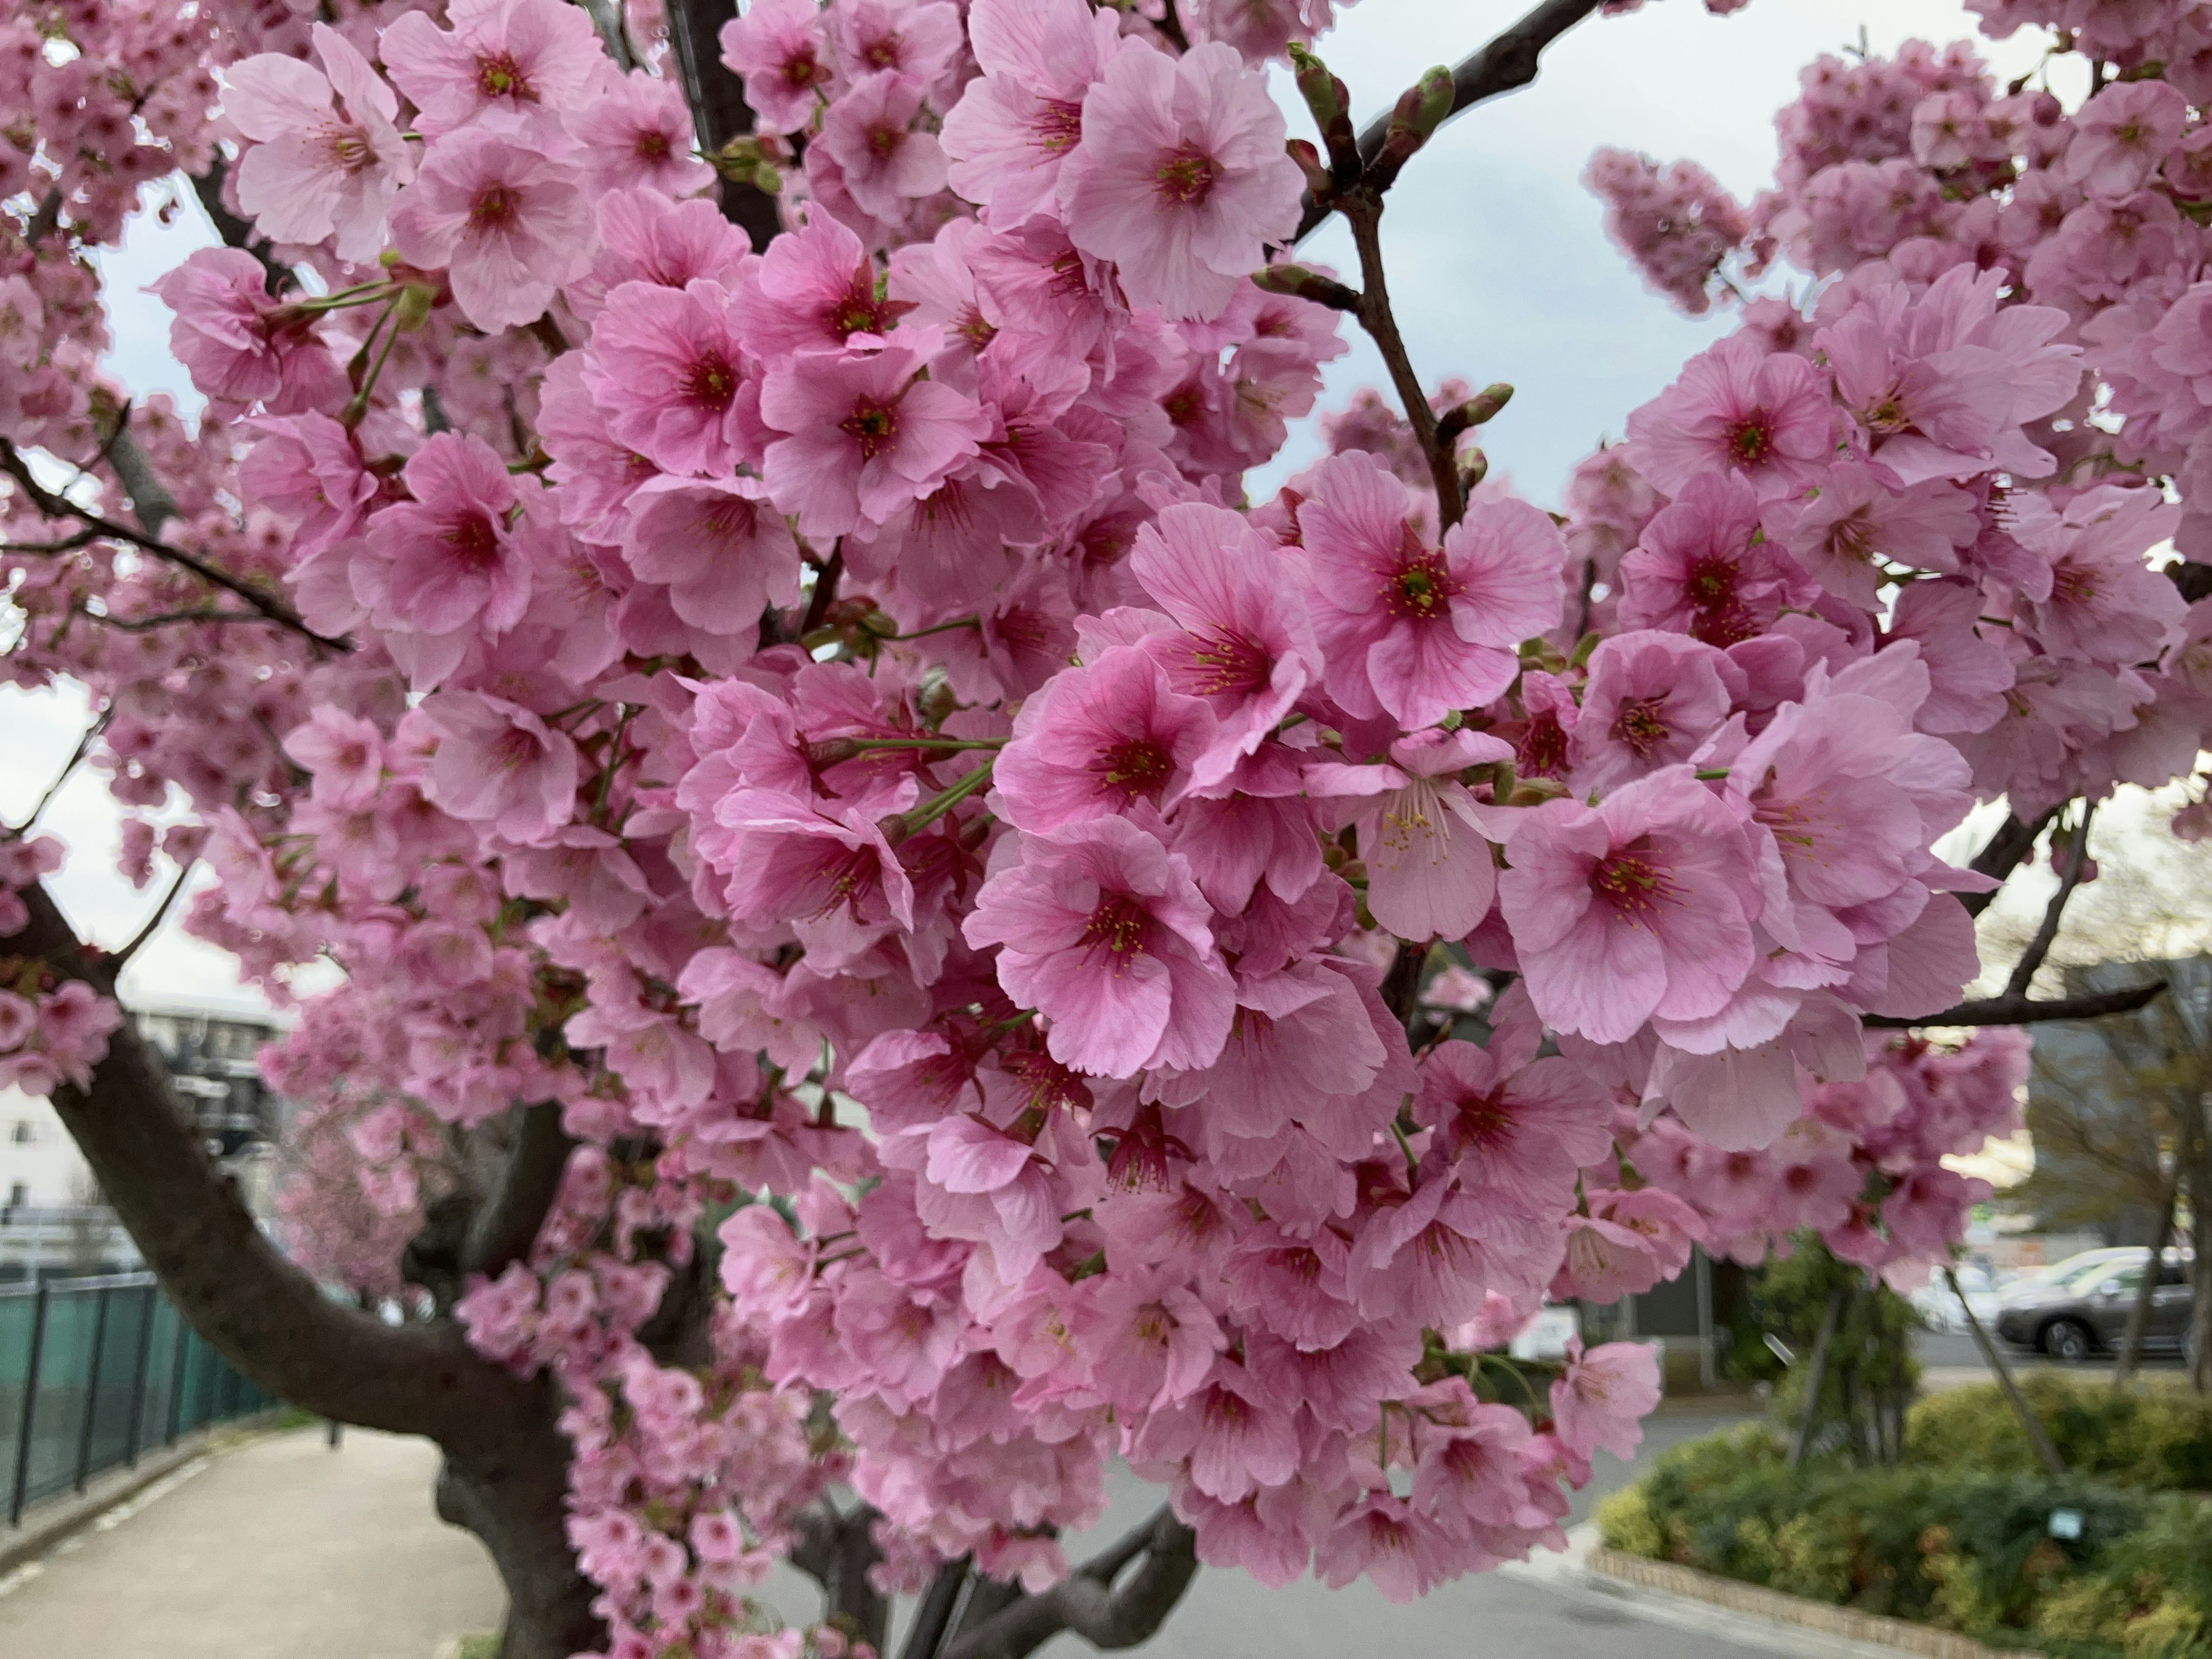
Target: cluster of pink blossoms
<point>832,720</point>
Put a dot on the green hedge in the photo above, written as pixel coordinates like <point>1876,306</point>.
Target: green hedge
<point>2157,1437</point>
<point>1962,1548</point>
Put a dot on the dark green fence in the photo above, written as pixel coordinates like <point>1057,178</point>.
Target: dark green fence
<point>93,1372</point>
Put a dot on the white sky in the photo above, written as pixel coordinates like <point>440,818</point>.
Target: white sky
<point>1498,264</point>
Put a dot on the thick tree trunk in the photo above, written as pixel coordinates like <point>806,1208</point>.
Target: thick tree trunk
<point>510,1493</point>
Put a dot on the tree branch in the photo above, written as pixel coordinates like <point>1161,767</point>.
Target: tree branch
<point>935,1616</point>
<point>719,110</point>
<point>151,503</point>
<point>2011,841</point>
<point>2039,947</point>
<point>508,1223</point>
<point>58,506</point>
<point>1088,1603</point>
<point>1508,63</point>
<point>76,755</point>
<point>234,231</point>
<point>2009,1010</point>
<point>835,1551</point>
<point>222,1272</point>
<point>1363,211</point>
<point>154,922</point>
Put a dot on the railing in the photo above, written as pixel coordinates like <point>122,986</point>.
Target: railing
<point>92,1373</point>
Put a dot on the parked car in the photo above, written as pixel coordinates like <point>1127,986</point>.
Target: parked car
<point>2088,1313</point>
<point>1935,1302</point>
<point>2037,1280</point>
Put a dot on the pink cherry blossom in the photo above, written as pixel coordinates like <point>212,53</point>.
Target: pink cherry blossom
<point>888,160</point>
<point>508,224</point>
<point>501,763</point>
<point>1180,177</point>
<point>1096,741</point>
<point>1017,122</point>
<point>861,437</point>
<point>1638,906</point>
<point>316,170</point>
<point>1412,629</point>
<point>1765,416</point>
<point>780,47</point>
<point>511,59</point>
<point>668,374</point>
<point>1105,934</point>
<point>1605,1391</point>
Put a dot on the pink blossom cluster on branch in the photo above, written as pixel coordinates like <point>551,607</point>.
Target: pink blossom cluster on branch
<point>831,721</point>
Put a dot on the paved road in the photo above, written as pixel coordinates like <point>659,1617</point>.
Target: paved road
<point>282,1549</point>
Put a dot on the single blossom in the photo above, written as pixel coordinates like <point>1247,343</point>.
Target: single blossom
<point>860,437</point>
<point>1098,739</point>
<point>506,222</point>
<point>782,49</point>
<point>1105,934</point>
<point>325,157</point>
<point>1017,122</point>
<point>453,559</point>
<point>1413,630</point>
<point>498,763</point>
<point>514,61</point>
<point>1641,905</point>
<point>1180,179</point>
<point>667,372</point>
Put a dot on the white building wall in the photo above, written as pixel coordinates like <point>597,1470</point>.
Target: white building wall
<point>41,1167</point>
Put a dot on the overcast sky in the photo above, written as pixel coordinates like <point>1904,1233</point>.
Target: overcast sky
<point>1498,266</point>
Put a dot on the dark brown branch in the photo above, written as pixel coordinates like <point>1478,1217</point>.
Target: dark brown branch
<point>719,110</point>
<point>1365,211</point>
<point>171,619</point>
<point>933,1617</point>
<point>151,503</point>
<point>1090,1604</point>
<point>2025,1011</point>
<point>2012,842</point>
<point>234,231</point>
<point>46,221</point>
<point>1507,64</point>
<point>835,1551</point>
<point>825,592</point>
<point>154,922</point>
<point>76,757</point>
<point>57,507</point>
<point>224,1275</point>
<point>2047,933</point>
<point>508,1224</point>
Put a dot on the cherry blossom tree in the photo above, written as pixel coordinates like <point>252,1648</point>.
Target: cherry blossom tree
<point>901,935</point>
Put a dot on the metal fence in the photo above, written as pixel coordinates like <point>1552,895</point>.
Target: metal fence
<point>92,1373</point>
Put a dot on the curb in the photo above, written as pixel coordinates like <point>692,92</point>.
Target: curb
<point>1900,1634</point>
<point>39,1533</point>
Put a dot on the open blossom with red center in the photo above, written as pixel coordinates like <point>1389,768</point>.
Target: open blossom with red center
<point>1641,905</point>
<point>1180,179</point>
<point>855,439</point>
<point>1105,934</point>
<point>666,370</point>
<point>1097,740</point>
<point>518,57</point>
<point>1737,408</point>
<point>1409,628</point>
<point>1701,567</point>
<point>781,48</point>
<point>1018,121</point>
<point>453,561</point>
<point>507,223</point>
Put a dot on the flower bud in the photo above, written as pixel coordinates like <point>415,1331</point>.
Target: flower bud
<point>1306,284</point>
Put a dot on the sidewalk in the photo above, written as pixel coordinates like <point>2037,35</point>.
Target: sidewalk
<point>280,1549</point>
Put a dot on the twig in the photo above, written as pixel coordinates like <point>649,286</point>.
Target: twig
<point>76,755</point>
<point>825,592</point>
<point>151,503</point>
<point>58,506</point>
<point>1816,1374</point>
<point>170,619</point>
<point>2053,1465</point>
<point>2011,843</point>
<point>1363,211</point>
<point>1507,61</point>
<point>719,110</point>
<point>2039,946</point>
<point>2025,1011</point>
<point>161,915</point>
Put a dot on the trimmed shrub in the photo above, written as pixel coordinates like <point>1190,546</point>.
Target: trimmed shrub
<point>2156,1436</point>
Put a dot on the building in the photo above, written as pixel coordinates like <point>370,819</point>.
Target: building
<point>52,1219</point>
